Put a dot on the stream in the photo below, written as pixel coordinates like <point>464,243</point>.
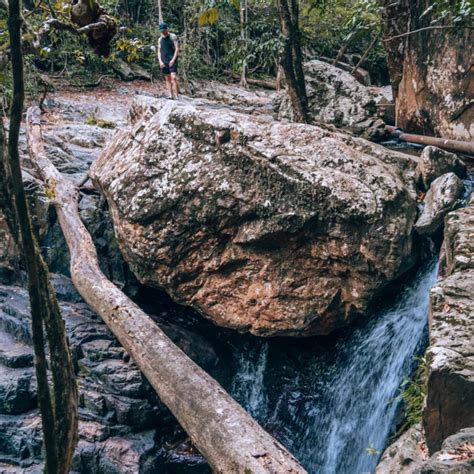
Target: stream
<point>334,403</point>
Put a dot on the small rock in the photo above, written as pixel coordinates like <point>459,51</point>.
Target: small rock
<point>435,162</point>
<point>440,199</point>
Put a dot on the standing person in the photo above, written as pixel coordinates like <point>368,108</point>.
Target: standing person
<point>168,49</point>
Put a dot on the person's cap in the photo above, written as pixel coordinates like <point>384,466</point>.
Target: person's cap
<point>163,26</point>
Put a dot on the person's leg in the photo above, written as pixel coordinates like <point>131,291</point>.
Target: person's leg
<point>168,85</point>
<point>174,84</point>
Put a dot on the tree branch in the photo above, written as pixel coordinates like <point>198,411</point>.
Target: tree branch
<point>408,33</point>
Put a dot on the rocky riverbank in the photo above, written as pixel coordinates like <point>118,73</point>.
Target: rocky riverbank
<point>445,441</point>
<point>324,220</point>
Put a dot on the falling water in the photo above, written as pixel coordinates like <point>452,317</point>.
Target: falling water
<point>334,404</point>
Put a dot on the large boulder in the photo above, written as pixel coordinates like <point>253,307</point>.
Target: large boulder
<point>450,399</point>
<point>335,96</point>
<point>267,227</point>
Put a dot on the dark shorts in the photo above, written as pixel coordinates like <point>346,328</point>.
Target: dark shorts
<point>169,69</point>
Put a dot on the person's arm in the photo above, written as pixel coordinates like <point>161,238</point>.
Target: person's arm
<point>159,53</point>
<point>176,50</point>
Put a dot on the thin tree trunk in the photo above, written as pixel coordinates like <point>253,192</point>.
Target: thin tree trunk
<point>59,416</point>
<point>297,53</point>
<point>243,38</point>
<point>340,53</point>
<point>366,53</point>
<point>229,438</point>
<point>160,11</point>
<point>287,61</point>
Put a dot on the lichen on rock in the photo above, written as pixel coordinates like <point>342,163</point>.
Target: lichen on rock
<point>267,227</point>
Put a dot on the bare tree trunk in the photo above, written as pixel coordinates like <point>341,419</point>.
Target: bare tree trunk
<point>291,60</point>
<point>160,11</point>
<point>243,38</point>
<point>229,438</point>
<point>59,415</point>
<point>395,21</point>
<point>340,53</point>
<point>297,53</point>
<point>366,53</point>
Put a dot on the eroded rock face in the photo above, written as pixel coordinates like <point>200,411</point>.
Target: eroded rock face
<point>433,72</point>
<point>261,226</point>
<point>440,199</point>
<point>450,400</point>
<point>334,96</point>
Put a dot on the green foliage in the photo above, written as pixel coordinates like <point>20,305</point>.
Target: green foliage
<point>449,12</point>
<point>209,32</point>
<point>372,451</point>
<point>413,393</point>
<point>93,120</point>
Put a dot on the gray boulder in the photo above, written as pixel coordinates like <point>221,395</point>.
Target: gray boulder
<point>435,162</point>
<point>335,96</point>
<point>268,227</point>
<point>439,200</point>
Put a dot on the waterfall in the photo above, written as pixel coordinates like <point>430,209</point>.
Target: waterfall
<point>248,384</point>
<point>337,409</point>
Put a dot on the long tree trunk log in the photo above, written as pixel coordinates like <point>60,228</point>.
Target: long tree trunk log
<point>253,82</point>
<point>229,438</point>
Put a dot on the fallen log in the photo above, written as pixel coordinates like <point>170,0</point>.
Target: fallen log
<point>272,85</point>
<point>230,439</point>
<point>456,146</point>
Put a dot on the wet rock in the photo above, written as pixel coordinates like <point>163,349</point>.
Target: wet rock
<point>261,226</point>
<point>17,391</point>
<point>435,162</point>
<point>21,438</point>
<point>440,199</point>
<point>408,455</point>
<point>182,458</point>
<point>450,398</point>
<point>405,455</point>
<point>334,96</point>
<point>125,407</point>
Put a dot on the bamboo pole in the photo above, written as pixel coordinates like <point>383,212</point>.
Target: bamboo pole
<point>456,146</point>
